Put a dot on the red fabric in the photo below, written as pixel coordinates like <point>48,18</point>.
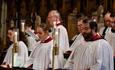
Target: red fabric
<point>47,40</point>
<point>96,37</point>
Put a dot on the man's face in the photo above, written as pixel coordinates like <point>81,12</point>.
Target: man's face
<point>84,27</point>
<point>86,30</point>
<point>79,25</point>
<point>51,18</point>
<point>113,23</point>
<point>107,21</point>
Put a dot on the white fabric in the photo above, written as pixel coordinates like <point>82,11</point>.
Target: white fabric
<point>102,29</point>
<point>31,43</point>
<point>96,55</point>
<point>41,56</point>
<point>77,41</point>
<point>31,33</point>
<point>22,55</point>
<point>63,39</point>
<point>63,46</point>
<point>110,37</point>
<point>74,37</point>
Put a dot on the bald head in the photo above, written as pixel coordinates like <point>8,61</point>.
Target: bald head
<point>107,19</point>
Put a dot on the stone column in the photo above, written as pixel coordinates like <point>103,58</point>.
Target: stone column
<point>3,22</point>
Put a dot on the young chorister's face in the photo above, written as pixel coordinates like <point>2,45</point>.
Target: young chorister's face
<point>10,34</point>
<point>40,32</point>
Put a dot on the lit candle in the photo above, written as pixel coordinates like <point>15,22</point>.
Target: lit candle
<point>56,34</point>
<point>15,64</point>
<point>54,23</point>
<point>22,25</point>
<point>94,20</point>
<point>57,41</point>
<point>15,37</point>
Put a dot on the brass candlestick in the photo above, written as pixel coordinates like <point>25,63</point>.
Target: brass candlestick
<point>55,44</point>
<point>15,48</point>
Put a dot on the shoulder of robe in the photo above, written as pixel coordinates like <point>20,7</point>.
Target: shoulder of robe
<point>103,42</point>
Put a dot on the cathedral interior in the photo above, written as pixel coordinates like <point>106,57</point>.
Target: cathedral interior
<point>22,9</point>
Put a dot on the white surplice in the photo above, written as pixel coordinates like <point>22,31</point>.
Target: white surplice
<point>102,29</point>
<point>110,37</point>
<point>96,55</point>
<point>31,37</point>
<point>77,41</point>
<point>31,43</point>
<point>21,56</point>
<point>41,56</point>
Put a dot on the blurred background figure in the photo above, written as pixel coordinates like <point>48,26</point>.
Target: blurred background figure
<point>21,50</point>
<point>30,35</point>
<point>107,25</point>
<point>54,20</point>
<point>110,36</point>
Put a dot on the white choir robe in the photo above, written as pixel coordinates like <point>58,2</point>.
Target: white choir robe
<point>31,33</point>
<point>41,56</point>
<point>96,55</point>
<point>110,37</point>
<point>77,41</point>
<point>31,43</point>
<point>21,57</point>
<point>63,46</point>
<point>102,29</point>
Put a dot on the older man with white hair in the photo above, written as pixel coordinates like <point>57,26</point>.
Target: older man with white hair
<point>54,20</point>
<point>107,26</point>
<point>110,36</point>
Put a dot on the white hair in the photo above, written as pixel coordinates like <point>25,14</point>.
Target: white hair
<point>55,13</point>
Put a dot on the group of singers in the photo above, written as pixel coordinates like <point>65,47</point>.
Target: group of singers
<point>90,50</point>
